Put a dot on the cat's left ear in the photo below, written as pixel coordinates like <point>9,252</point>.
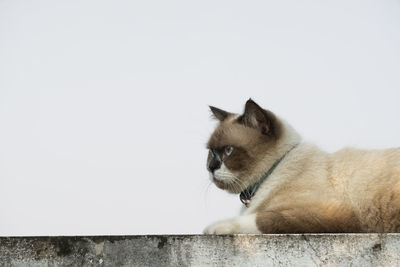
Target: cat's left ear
<point>256,117</point>
<point>219,114</point>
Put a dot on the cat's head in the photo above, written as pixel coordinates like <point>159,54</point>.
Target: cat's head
<point>243,146</point>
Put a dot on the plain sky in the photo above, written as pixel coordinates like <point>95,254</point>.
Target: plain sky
<point>104,104</point>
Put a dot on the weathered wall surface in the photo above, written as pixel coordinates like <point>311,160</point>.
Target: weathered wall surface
<point>200,250</point>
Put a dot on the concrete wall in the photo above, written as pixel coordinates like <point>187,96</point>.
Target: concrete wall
<point>200,250</point>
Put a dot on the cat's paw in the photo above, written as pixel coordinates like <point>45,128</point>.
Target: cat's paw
<point>220,228</point>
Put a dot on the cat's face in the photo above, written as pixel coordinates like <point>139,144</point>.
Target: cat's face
<point>239,143</point>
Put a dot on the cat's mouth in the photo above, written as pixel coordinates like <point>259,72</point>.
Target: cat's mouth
<point>225,185</point>
<point>220,184</point>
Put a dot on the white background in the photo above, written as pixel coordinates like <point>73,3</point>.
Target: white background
<point>103,104</point>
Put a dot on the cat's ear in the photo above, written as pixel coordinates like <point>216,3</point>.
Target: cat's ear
<point>219,114</point>
<point>256,117</point>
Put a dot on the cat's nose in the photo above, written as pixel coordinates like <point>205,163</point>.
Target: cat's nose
<point>214,165</point>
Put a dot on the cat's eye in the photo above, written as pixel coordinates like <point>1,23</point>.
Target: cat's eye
<point>228,150</point>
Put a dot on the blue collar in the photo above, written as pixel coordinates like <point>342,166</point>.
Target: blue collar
<point>247,194</point>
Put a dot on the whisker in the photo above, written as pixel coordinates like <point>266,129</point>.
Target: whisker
<point>225,175</point>
<point>237,184</point>
<point>206,191</point>
<point>240,184</point>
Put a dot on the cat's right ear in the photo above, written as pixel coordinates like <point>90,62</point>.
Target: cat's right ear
<point>256,117</point>
<point>219,114</point>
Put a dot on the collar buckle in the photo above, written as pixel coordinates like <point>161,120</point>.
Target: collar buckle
<point>245,198</point>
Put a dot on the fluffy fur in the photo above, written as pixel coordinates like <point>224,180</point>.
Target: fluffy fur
<point>310,191</point>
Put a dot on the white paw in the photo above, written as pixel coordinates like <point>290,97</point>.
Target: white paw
<point>220,228</point>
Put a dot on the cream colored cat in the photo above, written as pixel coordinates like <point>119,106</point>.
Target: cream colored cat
<point>293,187</point>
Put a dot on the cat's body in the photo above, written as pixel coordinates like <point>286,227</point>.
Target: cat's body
<point>309,190</point>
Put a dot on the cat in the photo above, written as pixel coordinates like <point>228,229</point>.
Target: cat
<point>289,186</point>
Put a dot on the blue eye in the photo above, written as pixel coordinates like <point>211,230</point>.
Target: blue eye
<point>228,150</point>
